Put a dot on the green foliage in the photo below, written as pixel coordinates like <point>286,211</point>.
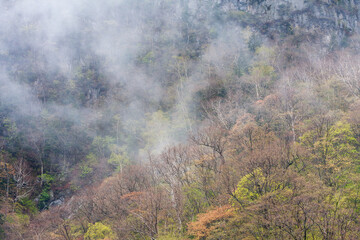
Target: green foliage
<point>196,200</point>
<point>168,237</point>
<point>262,74</point>
<point>248,188</point>
<point>99,231</point>
<point>91,158</point>
<point>87,166</point>
<point>118,158</point>
<point>18,219</point>
<point>89,99</point>
<point>265,56</point>
<point>148,58</point>
<point>47,179</point>
<point>335,152</point>
<point>262,71</point>
<point>25,205</point>
<point>86,170</point>
<point>242,65</point>
<point>76,230</point>
<point>101,146</point>
<point>44,198</point>
<point>9,128</point>
<point>23,219</point>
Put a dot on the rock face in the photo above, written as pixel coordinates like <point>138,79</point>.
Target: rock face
<point>57,202</point>
<point>284,16</point>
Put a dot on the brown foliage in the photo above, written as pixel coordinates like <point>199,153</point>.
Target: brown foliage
<point>206,222</point>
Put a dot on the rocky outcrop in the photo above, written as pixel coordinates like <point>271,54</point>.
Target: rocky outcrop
<point>57,202</point>
<point>286,16</point>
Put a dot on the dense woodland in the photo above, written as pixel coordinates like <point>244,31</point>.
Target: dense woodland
<point>175,120</point>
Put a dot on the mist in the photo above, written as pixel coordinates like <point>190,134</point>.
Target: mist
<point>165,119</point>
<point>118,41</point>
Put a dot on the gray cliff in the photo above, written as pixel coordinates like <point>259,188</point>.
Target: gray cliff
<point>333,18</point>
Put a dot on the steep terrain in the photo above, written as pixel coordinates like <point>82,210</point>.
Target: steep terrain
<point>188,119</point>
<point>331,21</point>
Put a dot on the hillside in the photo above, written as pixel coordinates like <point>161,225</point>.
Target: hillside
<point>227,119</point>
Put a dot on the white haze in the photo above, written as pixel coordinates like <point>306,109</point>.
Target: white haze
<point>59,35</point>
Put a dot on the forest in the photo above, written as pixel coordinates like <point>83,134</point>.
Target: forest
<point>179,119</point>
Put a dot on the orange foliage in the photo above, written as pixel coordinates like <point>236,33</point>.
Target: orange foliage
<point>205,222</point>
<point>132,195</point>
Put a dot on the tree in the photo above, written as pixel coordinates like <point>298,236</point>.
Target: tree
<point>174,168</point>
<point>210,222</point>
<point>262,73</point>
<point>98,231</point>
<point>334,152</point>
